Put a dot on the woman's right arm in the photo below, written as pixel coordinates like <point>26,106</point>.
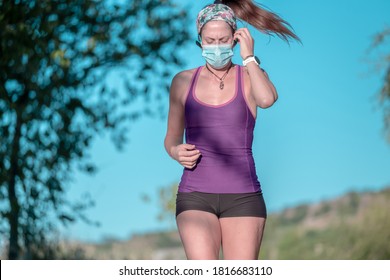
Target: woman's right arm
<point>186,154</point>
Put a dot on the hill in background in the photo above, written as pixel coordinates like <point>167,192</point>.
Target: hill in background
<point>354,226</point>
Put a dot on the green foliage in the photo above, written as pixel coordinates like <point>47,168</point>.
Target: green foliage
<point>293,216</point>
<point>167,201</point>
<point>166,240</point>
<point>357,226</point>
<point>324,208</point>
<point>55,57</point>
<point>381,41</point>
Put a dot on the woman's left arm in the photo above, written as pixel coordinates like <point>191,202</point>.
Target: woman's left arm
<point>262,90</point>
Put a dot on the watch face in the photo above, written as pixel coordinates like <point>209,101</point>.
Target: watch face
<point>257,60</point>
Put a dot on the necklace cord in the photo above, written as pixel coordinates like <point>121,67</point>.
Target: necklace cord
<point>221,83</point>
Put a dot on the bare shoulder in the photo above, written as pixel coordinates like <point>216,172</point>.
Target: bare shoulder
<point>181,83</point>
<point>183,77</point>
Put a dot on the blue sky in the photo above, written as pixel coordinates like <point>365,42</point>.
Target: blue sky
<point>323,137</point>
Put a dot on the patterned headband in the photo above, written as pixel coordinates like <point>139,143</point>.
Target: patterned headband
<point>216,12</point>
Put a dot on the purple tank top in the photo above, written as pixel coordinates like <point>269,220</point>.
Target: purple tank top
<point>224,135</point>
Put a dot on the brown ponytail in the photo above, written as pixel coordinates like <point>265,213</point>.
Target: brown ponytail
<point>263,20</point>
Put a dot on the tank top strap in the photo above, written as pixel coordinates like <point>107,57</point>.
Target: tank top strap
<point>240,88</point>
<point>239,73</point>
<point>193,82</point>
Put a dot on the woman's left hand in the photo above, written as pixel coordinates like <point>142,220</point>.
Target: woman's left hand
<point>246,41</point>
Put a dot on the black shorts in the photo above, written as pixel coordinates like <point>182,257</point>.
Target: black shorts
<point>223,205</point>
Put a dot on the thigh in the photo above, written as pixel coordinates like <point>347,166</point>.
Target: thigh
<point>241,237</point>
<point>200,234</point>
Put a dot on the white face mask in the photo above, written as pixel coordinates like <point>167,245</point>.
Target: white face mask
<point>217,56</point>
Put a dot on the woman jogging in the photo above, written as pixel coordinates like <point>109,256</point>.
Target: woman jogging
<point>219,203</point>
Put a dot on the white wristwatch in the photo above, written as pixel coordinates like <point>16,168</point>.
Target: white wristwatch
<point>250,59</point>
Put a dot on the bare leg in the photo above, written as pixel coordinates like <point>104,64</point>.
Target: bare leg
<point>200,233</point>
<point>241,237</point>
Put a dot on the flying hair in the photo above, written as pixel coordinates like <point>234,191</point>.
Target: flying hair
<point>263,20</point>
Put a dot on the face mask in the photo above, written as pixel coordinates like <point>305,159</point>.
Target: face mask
<point>217,55</point>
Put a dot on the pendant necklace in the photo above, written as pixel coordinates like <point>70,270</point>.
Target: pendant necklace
<point>221,83</point>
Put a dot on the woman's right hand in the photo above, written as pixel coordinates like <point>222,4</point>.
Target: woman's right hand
<point>186,154</point>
